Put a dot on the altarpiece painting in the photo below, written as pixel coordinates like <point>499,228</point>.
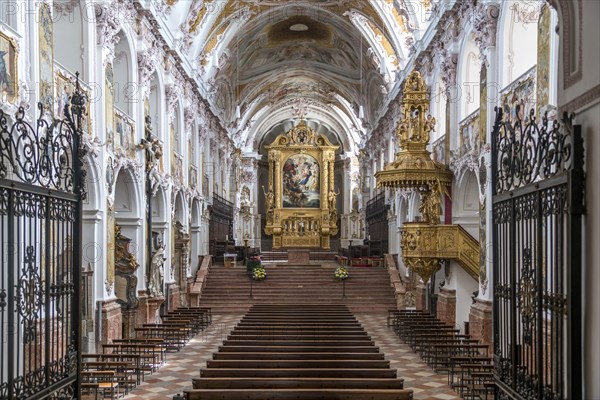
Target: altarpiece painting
<point>301,182</point>
<point>300,200</point>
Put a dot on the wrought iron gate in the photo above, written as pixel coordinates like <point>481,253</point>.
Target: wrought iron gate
<point>538,184</point>
<point>41,187</point>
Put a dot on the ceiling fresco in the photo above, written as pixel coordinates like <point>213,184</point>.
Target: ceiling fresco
<point>266,63</point>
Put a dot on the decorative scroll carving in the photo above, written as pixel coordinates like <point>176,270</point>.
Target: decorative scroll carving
<point>485,22</point>
<point>424,246</point>
<point>147,63</point>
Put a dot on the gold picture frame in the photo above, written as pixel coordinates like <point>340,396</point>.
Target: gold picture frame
<point>309,223</point>
<point>9,73</point>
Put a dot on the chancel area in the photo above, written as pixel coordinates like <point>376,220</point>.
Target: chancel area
<point>242,199</point>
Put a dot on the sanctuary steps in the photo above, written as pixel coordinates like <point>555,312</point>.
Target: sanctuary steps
<point>228,289</point>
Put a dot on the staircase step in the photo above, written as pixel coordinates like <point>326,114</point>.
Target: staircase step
<point>299,372</point>
<point>296,356</point>
<point>298,394</point>
<point>269,364</point>
<point>296,383</point>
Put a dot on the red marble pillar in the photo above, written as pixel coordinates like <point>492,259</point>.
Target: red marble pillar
<point>173,290</point>
<point>480,321</point>
<point>142,315</point>
<point>112,321</point>
<point>446,306</point>
<point>420,297</point>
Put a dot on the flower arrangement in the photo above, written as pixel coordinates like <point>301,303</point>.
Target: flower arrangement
<point>259,273</point>
<point>252,263</point>
<point>341,273</point>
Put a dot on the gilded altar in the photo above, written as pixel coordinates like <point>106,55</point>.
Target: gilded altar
<point>300,201</point>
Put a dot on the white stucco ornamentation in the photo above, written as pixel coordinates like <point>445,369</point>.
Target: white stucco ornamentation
<point>109,20</point>
<point>476,161</point>
<point>485,22</point>
<point>147,62</point>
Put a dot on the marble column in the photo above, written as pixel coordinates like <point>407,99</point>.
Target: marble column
<point>480,321</point>
<point>421,297</point>
<point>446,306</point>
<point>111,321</point>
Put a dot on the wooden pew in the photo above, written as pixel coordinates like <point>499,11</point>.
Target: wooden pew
<point>133,359</point>
<point>124,371</point>
<point>100,382</point>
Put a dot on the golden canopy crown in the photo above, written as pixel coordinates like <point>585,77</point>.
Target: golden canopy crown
<point>413,167</point>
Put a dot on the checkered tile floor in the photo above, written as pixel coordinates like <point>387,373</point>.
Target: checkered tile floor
<point>184,365</point>
<point>417,375</point>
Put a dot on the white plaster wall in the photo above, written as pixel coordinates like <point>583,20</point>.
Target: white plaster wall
<point>590,121</point>
<point>464,285</point>
<point>69,49</point>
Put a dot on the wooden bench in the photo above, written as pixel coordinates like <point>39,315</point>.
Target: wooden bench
<point>151,356</point>
<point>100,383</point>
<point>174,338</point>
<point>124,371</point>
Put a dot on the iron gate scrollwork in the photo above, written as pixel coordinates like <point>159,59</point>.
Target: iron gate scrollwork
<point>41,192</point>
<point>538,188</point>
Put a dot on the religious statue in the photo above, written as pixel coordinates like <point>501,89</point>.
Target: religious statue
<point>429,127</point>
<point>430,207</point>
<point>154,153</point>
<point>331,198</point>
<point>269,198</point>
<point>155,286</point>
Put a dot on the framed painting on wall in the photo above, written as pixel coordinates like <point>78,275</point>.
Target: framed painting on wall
<point>124,134</point>
<point>109,106</point>
<point>301,177</point>
<point>65,87</point>
<point>46,51</point>
<point>438,150</point>
<point>518,98</point>
<point>9,78</point>
<point>469,133</point>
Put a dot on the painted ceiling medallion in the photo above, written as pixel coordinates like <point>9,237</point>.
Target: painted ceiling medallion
<point>298,28</point>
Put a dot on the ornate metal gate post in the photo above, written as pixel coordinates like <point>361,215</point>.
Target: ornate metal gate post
<point>538,186</point>
<point>42,184</point>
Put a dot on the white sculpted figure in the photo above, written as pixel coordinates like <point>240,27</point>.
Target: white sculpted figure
<point>155,287</point>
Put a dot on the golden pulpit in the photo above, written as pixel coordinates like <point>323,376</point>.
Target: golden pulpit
<point>300,202</point>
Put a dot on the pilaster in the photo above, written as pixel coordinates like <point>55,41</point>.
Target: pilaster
<point>480,321</point>
<point>420,297</point>
<point>446,306</point>
<point>111,321</point>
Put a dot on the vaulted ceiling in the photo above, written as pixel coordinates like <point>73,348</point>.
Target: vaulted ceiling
<point>264,64</point>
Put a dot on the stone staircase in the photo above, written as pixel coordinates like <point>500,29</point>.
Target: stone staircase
<point>300,352</point>
<point>228,289</point>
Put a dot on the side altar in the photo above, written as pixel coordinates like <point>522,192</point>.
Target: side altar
<point>301,199</point>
